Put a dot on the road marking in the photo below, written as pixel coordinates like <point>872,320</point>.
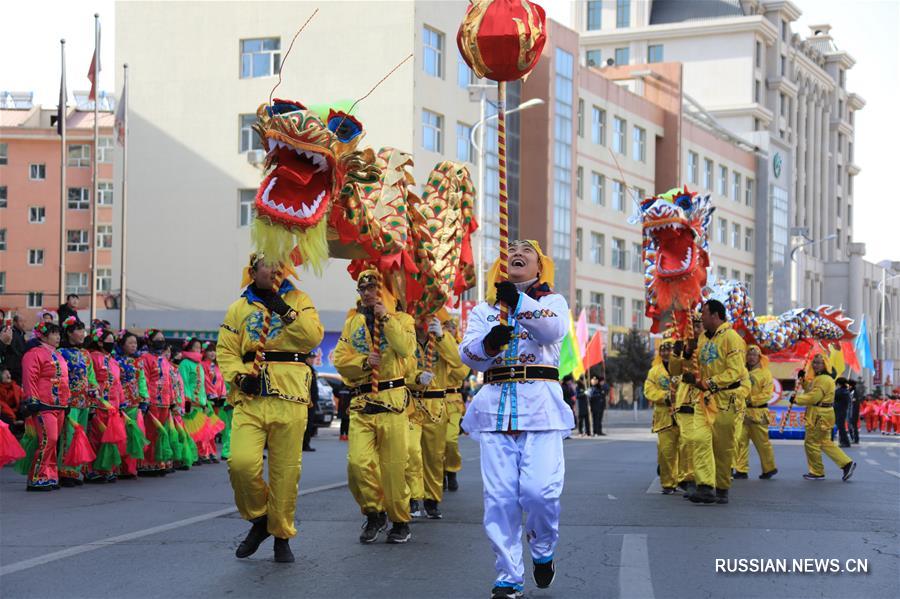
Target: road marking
<point>611,497</point>
<point>892,473</point>
<point>100,544</point>
<point>871,462</point>
<point>653,489</point>
<point>863,453</point>
<point>634,568</point>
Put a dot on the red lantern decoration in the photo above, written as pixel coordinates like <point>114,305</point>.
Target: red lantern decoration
<point>502,39</point>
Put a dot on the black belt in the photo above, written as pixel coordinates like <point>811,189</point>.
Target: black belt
<point>824,405</point>
<point>371,408</point>
<point>686,410</point>
<point>276,356</point>
<point>765,405</point>
<point>454,390</point>
<point>429,394</point>
<point>521,373</point>
<point>382,386</point>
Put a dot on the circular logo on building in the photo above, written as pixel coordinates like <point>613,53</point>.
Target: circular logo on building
<point>776,164</point>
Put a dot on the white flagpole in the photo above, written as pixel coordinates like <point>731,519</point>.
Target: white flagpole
<point>63,159</point>
<point>93,236</point>
<point>123,296</point>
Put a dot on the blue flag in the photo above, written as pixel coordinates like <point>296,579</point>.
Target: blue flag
<point>862,347</point>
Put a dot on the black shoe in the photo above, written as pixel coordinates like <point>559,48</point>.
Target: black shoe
<point>399,533</point>
<point>283,553</point>
<point>722,496</point>
<point>445,481</point>
<point>452,483</point>
<point>259,532</point>
<point>505,593</point>
<point>147,473</point>
<point>703,494</point>
<point>127,476</point>
<point>738,475</point>
<point>769,474</point>
<point>809,476</point>
<point>414,511</point>
<point>78,482</point>
<point>183,467</point>
<point>431,510</point>
<point>111,479</point>
<point>374,524</point>
<point>67,482</point>
<point>689,489</point>
<point>41,489</point>
<point>668,490</point>
<point>848,471</point>
<point>213,459</point>
<point>309,449</point>
<point>95,480</point>
<point>601,434</point>
<point>543,574</point>
<point>844,445</point>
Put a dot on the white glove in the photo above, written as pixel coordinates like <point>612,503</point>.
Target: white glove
<point>434,326</point>
<point>425,378</point>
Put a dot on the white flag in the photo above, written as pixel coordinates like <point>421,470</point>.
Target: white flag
<point>121,116</point>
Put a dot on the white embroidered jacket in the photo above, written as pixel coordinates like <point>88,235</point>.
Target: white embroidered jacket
<point>540,326</point>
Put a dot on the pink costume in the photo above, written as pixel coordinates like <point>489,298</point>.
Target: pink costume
<point>109,382</point>
<point>159,387</point>
<point>45,381</point>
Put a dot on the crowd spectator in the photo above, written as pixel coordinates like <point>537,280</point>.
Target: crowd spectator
<point>70,308</point>
<point>598,394</point>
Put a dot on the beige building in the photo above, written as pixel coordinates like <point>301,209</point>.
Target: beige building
<point>191,104</point>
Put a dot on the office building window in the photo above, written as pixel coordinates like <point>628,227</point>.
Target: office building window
<point>564,112</point>
<point>105,195</point>
<point>2,240</point>
<point>618,311</point>
<point>748,281</point>
<point>37,214</point>
<point>4,154</point>
<point>35,257</point>
<point>579,241</point>
<point>782,65</point>
<point>104,280</point>
<point>432,131</point>
<point>598,248</point>
<point>637,313</point>
<point>78,156</point>
<point>619,129</point>
<point>748,191</point>
<point>579,182</point>
<point>77,282</point>
<point>593,58</point>
<point>735,236</point>
<point>104,237</point>
<point>245,207</point>
<point>735,274</point>
<point>580,117</point>
<point>707,174</point>
<point>837,240</point>
<point>77,240</point>
<point>654,53</point>
<point>736,186</point>
<point>757,91</point>
<point>598,189</point>
<point>78,198</point>
<point>594,15</point>
<point>2,282</point>
<point>758,53</point>
<point>4,195</point>
<point>748,239</point>
<point>37,172</point>
<point>636,258</point>
<point>618,254</point>
<point>464,75</point>
<point>596,308</point>
<point>693,167</point>
<point>260,57</point>
<point>618,196</point>
<point>639,144</point>
<point>105,148</point>
<point>621,56</point>
<point>248,139</point>
<point>578,300</point>
<point>722,273</point>
<point>464,150</point>
<point>784,30</point>
<point>35,299</point>
<point>433,46</point>
<point>623,13</point>
<point>598,125</point>
<point>723,181</point>
<point>723,231</point>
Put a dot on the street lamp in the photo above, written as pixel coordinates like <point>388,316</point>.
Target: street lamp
<point>480,92</point>
<point>809,242</point>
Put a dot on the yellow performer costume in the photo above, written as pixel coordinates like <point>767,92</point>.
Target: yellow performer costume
<point>659,389</point>
<point>818,397</point>
<point>456,407</point>
<point>269,410</point>
<point>724,380</point>
<point>377,448</point>
<point>428,384</point>
<point>686,403</point>
<point>756,420</point>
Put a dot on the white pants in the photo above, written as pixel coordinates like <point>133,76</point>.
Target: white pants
<point>521,473</point>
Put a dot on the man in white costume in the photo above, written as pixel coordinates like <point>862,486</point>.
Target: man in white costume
<point>519,417</point>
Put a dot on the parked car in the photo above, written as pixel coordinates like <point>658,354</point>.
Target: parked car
<point>325,412</point>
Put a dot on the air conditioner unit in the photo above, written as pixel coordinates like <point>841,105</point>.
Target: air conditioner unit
<point>256,157</point>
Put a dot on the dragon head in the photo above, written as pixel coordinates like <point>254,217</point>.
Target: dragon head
<point>675,249</point>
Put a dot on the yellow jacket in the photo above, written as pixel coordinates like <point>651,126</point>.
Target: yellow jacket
<point>351,355</point>
<point>722,365</point>
<point>239,335</point>
<point>819,391</point>
<point>658,390</point>
<point>447,367</point>
<point>761,386</point>
<point>686,395</point>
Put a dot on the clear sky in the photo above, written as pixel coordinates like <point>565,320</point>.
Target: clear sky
<point>867,29</point>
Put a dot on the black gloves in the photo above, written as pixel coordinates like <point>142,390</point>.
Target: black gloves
<point>689,377</point>
<point>249,384</point>
<point>498,336</point>
<point>273,301</point>
<point>33,406</point>
<point>507,293</point>
<point>143,406</point>
<point>678,348</point>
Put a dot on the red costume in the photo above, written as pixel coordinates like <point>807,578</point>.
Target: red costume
<point>45,378</point>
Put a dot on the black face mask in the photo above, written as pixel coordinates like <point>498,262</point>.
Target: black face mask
<point>158,344</point>
<point>109,346</point>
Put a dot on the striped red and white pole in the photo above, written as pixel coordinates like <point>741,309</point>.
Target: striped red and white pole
<point>504,198</point>
<point>376,339</point>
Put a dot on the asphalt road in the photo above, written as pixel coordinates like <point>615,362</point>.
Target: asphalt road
<point>175,537</point>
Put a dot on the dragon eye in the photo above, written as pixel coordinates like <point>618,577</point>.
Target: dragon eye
<point>683,202</point>
<point>344,126</point>
<point>284,107</point>
<point>646,203</point>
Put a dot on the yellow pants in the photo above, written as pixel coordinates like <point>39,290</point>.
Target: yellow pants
<point>434,443</point>
<point>755,428</point>
<point>259,422</point>
<point>714,447</point>
<point>685,446</point>
<point>414,477</point>
<point>819,422</point>
<point>738,431</point>
<point>376,463</point>
<point>667,456</point>
<point>452,457</point>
